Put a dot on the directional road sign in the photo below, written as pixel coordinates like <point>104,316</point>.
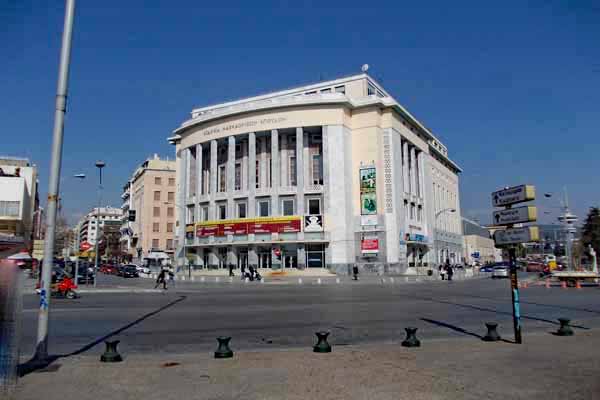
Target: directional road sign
<point>515,215</point>
<point>517,235</point>
<point>513,195</point>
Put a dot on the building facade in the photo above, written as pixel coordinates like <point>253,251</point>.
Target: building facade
<point>92,225</point>
<point>478,244</point>
<point>327,175</point>
<point>151,193</point>
<point>19,200</point>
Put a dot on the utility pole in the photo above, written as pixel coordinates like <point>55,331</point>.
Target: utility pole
<point>41,349</point>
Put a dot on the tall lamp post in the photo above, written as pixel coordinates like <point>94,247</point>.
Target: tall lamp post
<point>99,165</point>
<point>437,215</point>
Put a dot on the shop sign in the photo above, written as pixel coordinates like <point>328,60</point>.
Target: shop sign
<point>369,246</point>
<point>368,220</point>
<point>368,191</point>
<point>249,225</point>
<point>415,237</point>
<point>313,223</point>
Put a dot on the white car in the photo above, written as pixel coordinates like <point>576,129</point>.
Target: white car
<point>141,270</point>
<point>500,271</point>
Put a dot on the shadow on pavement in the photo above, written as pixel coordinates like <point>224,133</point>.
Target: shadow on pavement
<point>453,327</point>
<point>36,364</point>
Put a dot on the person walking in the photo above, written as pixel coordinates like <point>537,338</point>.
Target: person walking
<point>231,270</point>
<point>161,279</point>
<point>450,272</point>
<point>442,269</point>
<point>355,272</point>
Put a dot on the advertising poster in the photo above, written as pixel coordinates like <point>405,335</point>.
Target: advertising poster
<point>368,191</point>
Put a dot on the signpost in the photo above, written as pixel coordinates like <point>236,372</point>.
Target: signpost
<point>510,236</point>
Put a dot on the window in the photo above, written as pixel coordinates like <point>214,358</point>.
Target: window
<point>238,176</point>
<point>287,206</point>
<point>205,213</point>
<point>156,211</point>
<point>420,213</point>
<point>316,170</point>
<point>222,176</point>
<point>314,206</point>
<point>157,180</point>
<point>157,195</point>
<point>170,212</point>
<point>312,92</point>
<point>412,211</point>
<point>171,196</point>
<point>328,90</point>
<point>257,174</point>
<point>241,210</point>
<point>169,244</point>
<point>371,90</point>
<point>189,218</point>
<point>155,227</point>
<point>406,213</point>
<point>222,211</point>
<point>155,243</point>
<point>169,227</point>
<point>263,208</point>
<point>292,171</point>
<point>9,208</point>
<point>270,180</point>
<point>340,89</point>
<point>171,181</point>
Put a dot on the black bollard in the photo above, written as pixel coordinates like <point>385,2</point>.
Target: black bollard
<point>223,351</point>
<point>565,329</point>
<point>411,338</point>
<point>491,335</point>
<point>111,354</point>
<point>322,346</point>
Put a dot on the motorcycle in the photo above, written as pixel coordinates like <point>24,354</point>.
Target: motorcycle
<point>63,289</point>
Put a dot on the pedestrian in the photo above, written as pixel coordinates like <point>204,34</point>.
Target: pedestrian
<point>231,270</point>
<point>442,269</point>
<point>355,272</point>
<point>161,279</point>
<point>450,272</point>
<point>171,276</point>
<point>243,273</point>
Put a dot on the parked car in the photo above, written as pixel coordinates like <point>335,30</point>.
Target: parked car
<point>128,271</point>
<point>534,267</point>
<point>486,268</point>
<point>108,269</point>
<point>500,271</point>
<point>143,270</point>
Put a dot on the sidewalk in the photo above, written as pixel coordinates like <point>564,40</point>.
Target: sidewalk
<point>544,367</point>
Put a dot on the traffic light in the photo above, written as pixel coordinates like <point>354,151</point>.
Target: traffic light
<point>131,216</point>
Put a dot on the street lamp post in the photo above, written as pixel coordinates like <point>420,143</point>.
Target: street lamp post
<point>99,165</point>
<point>437,215</point>
<point>78,240</point>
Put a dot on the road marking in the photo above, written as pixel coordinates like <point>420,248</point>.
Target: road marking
<point>31,310</point>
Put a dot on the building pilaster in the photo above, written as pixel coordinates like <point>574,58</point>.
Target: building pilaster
<point>213,180</point>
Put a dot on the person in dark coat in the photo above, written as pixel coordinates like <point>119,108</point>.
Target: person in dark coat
<point>161,279</point>
<point>450,271</point>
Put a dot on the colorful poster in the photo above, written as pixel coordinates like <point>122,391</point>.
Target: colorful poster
<point>368,203</point>
<point>368,191</point>
<point>367,180</point>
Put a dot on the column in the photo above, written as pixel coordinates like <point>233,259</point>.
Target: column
<point>180,211</point>
<point>421,163</point>
<point>405,166</point>
<point>230,182</point>
<point>231,257</point>
<point>275,174</point>
<point>251,175</point>
<point>198,179</point>
<point>284,165</point>
<point>263,164</point>
<point>213,180</point>
<point>300,172</point>
<point>305,167</point>
<point>252,257</point>
<point>301,256</point>
<point>413,172</point>
<point>187,153</point>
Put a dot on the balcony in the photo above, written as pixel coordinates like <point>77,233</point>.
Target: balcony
<point>283,190</point>
<point>313,189</point>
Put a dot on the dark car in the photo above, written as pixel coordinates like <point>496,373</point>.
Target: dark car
<point>85,273</point>
<point>127,271</point>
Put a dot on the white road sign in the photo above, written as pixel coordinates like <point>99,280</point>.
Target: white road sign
<point>515,215</point>
<point>517,235</point>
<point>513,195</point>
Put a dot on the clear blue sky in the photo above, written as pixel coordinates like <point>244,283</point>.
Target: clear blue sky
<point>511,88</point>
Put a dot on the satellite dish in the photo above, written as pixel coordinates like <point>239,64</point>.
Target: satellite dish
<point>365,67</point>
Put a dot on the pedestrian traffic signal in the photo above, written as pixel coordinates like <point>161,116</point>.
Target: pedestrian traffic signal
<point>131,216</point>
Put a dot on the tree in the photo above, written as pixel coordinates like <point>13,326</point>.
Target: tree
<point>591,230</point>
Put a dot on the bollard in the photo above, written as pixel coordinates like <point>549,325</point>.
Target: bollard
<point>262,280</point>
<point>382,281</point>
<point>411,338</point>
<point>322,346</point>
<point>391,280</point>
<point>491,335</point>
<point>201,279</point>
<point>565,329</point>
<point>223,351</point>
<point>246,280</point>
<point>111,354</point>
<point>183,278</point>
<point>337,280</point>
<point>217,279</point>
<point>299,281</point>
<point>318,281</point>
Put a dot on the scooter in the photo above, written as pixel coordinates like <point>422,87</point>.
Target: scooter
<point>63,289</point>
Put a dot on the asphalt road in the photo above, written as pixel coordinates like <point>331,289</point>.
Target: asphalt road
<point>260,316</point>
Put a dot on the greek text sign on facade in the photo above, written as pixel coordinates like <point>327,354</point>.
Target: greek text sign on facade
<point>250,125</point>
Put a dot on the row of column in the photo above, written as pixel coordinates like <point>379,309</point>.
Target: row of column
<point>412,169</point>
<point>233,255</point>
<point>276,173</point>
<point>444,199</point>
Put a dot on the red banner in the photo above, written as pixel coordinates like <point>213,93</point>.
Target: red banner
<point>369,245</point>
<point>258,225</point>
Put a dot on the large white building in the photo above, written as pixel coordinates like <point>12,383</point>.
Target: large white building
<point>326,175</point>
<point>94,222</point>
